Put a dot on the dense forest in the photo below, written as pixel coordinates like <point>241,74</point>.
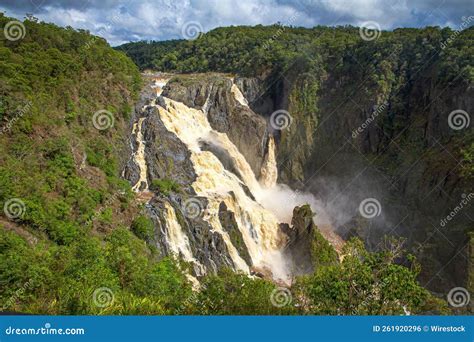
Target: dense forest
<point>261,49</point>
<point>79,228</point>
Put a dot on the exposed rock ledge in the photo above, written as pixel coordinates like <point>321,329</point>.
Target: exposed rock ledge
<point>213,93</point>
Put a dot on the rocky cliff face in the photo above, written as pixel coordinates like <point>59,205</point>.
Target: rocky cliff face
<point>369,121</point>
<point>215,95</point>
<point>197,151</point>
<point>168,158</point>
<point>300,236</point>
<point>390,143</point>
<point>385,140</point>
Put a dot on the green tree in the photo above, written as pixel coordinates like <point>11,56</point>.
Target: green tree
<point>365,284</point>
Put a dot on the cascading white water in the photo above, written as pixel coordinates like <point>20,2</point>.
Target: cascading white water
<point>281,199</point>
<point>257,219</point>
<point>139,154</point>
<point>259,227</point>
<point>269,170</point>
<point>239,97</point>
<point>158,85</point>
<point>139,157</point>
<point>176,240</point>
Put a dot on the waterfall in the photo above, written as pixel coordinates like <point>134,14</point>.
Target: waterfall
<point>177,240</point>
<point>269,170</point>
<point>158,84</point>
<point>259,226</point>
<point>238,95</point>
<point>179,245</point>
<point>139,156</point>
<point>258,214</point>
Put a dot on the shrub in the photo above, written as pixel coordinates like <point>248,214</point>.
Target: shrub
<point>165,186</point>
<point>143,227</point>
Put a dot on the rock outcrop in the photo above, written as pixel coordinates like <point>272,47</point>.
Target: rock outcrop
<point>194,174</point>
<point>306,248</point>
<point>300,234</point>
<point>227,219</point>
<point>167,158</point>
<point>213,93</point>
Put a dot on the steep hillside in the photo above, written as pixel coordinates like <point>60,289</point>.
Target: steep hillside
<point>65,240</point>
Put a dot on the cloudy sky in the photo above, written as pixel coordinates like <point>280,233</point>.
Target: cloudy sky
<point>121,21</point>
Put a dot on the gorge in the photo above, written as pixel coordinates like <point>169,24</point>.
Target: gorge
<point>213,176</point>
<point>369,121</point>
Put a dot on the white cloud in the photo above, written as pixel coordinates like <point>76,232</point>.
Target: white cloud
<point>124,20</point>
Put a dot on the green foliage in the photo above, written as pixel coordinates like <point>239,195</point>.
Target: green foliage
<point>100,154</point>
<point>144,53</point>
<point>255,50</point>
<point>365,284</point>
<point>165,186</point>
<point>52,82</point>
<point>142,227</point>
<point>468,161</point>
<point>62,279</point>
<point>322,252</point>
<point>230,293</point>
